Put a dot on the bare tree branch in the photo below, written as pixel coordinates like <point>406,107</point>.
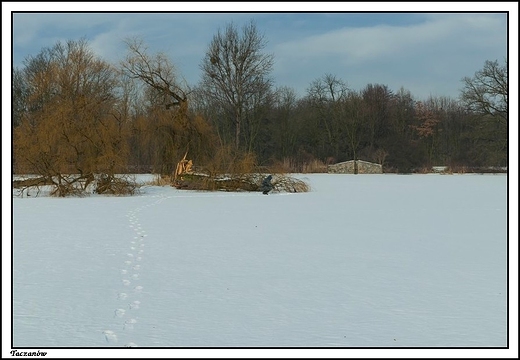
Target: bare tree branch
<point>487,91</point>
<point>157,72</point>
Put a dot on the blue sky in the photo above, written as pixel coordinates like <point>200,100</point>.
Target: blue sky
<point>426,53</point>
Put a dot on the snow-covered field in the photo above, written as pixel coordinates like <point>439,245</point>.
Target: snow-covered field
<point>360,261</point>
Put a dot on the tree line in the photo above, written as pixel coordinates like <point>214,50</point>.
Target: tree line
<point>74,113</point>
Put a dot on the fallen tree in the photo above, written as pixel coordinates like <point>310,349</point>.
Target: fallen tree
<point>78,185</point>
<point>239,182</point>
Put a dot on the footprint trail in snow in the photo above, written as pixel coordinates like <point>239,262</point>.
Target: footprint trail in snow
<point>125,316</point>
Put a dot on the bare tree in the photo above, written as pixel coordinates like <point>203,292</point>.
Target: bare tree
<point>156,71</point>
<point>19,96</point>
<point>166,129</point>
<point>327,95</point>
<point>284,134</point>
<point>235,72</point>
<point>486,95</point>
<point>376,99</point>
<point>487,91</point>
<point>160,126</point>
<point>328,89</point>
<point>353,123</point>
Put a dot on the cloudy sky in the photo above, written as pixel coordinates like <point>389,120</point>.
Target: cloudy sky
<point>425,52</point>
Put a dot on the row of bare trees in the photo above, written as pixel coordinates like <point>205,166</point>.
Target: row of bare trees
<point>74,113</point>
<point>333,123</point>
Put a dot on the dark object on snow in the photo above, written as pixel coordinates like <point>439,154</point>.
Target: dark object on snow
<point>266,185</point>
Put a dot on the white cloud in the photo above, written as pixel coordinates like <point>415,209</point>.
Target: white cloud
<point>363,44</point>
<point>426,58</point>
<point>29,27</point>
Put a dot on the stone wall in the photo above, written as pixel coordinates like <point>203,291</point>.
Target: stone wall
<point>347,167</point>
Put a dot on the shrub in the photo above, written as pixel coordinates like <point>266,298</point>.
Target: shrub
<point>116,185</point>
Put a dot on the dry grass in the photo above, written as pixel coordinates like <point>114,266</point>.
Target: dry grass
<point>160,180</point>
<point>291,165</point>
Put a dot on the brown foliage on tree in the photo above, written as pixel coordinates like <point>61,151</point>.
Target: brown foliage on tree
<point>427,129</point>
<point>69,132</point>
<point>428,122</point>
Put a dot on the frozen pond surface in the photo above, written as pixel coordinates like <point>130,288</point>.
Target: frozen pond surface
<point>360,261</point>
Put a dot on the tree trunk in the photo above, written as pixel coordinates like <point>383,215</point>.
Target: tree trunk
<point>237,131</point>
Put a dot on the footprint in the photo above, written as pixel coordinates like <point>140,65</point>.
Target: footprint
<point>110,336</point>
<point>138,288</point>
<point>126,282</point>
<point>119,312</point>
<point>122,296</point>
<point>134,305</point>
<point>129,324</point>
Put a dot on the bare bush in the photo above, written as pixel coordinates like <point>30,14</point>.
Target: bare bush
<point>116,185</point>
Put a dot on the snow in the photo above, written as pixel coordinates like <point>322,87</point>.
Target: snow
<point>370,261</point>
